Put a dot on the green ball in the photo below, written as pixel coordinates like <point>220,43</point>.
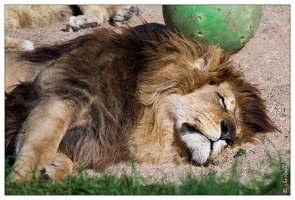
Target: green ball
<point>228,26</point>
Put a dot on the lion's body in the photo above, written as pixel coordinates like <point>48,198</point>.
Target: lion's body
<point>76,16</point>
<point>107,96</point>
<point>35,16</point>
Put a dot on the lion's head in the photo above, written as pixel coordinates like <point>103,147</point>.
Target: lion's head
<point>207,120</point>
<point>197,102</point>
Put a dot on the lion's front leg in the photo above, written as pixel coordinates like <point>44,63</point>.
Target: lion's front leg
<point>40,136</point>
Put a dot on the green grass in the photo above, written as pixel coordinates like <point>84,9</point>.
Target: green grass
<point>269,183</point>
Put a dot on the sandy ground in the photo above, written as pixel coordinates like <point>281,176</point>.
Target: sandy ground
<point>266,62</point>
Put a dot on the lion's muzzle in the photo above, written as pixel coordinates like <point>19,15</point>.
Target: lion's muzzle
<point>228,131</point>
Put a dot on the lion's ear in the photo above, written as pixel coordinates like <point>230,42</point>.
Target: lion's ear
<point>212,59</point>
<point>202,62</point>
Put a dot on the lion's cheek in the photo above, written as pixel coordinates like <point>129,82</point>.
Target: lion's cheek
<point>199,147</point>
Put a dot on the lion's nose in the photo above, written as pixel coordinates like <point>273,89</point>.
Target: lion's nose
<point>228,132</point>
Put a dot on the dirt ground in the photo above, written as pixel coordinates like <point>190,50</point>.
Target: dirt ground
<point>265,59</point>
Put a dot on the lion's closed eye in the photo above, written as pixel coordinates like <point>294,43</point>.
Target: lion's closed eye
<point>221,100</point>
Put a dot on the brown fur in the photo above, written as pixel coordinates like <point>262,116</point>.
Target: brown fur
<point>107,96</point>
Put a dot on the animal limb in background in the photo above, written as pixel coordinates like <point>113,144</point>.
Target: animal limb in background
<point>79,17</point>
<point>105,97</point>
<point>14,44</point>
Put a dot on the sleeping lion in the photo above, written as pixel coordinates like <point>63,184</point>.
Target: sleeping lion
<point>77,16</point>
<point>105,97</point>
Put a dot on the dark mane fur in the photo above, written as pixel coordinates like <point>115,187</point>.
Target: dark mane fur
<point>48,53</point>
<point>18,103</point>
<point>103,72</point>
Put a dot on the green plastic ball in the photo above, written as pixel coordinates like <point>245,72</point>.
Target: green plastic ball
<point>228,26</point>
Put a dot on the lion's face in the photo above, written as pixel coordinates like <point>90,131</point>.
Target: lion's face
<point>207,120</point>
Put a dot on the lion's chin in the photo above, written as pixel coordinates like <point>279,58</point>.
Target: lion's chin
<point>202,150</point>
<point>199,147</point>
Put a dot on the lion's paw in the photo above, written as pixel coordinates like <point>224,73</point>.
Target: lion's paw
<point>13,44</point>
<point>53,172</point>
<point>58,169</point>
<point>123,14</point>
<point>79,22</point>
